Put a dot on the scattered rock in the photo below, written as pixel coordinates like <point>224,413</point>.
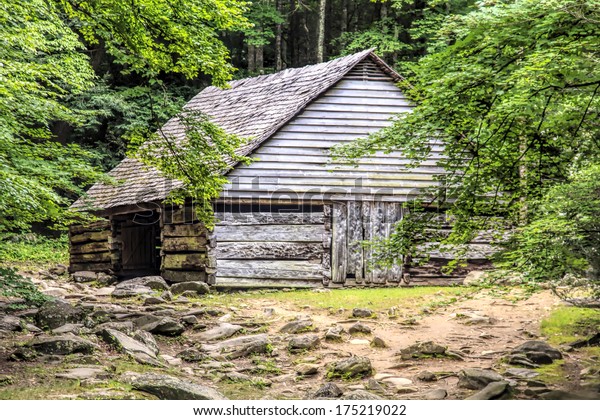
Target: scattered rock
<point>222,331</point>
<point>172,361</point>
<point>136,349</point>
<point>329,390</point>
<point>334,333</point>
<point>397,381</point>
<point>474,378</point>
<point>297,327</point>
<point>307,369</point>
<point>520,360</point>
<point>373,385</point>
<point>538,352</point>
<point>240,346</point>
<point>360,394</point>
<point>359,328</point>
<point>159,325</point>
<point>355,366</point>
<point>139,286</point>
<point>82,373</point>
<point>192,355</point>
<point>124,326</point>
<point>68,328</point>
<point>152,300</point>
<point>362,313</point>
<point>198,287</point>
<point>521,373</point>
<point>58,270</point>
<point>586,342</point>
<point>424,349</point>
<point>167,387</point>
<point>6,380</point>
<point>147,339</point>
<point>56,313</point>
<point>492,391</point>
<point>10,323</point>
<point>427,376</point>
<point>435,394</point>
<point>189,320</point>
<point>84,276</point>
<point>62,345</point>
<point>303,342</point>
<point>379,342</point>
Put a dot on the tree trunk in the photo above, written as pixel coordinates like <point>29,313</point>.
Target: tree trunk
<point>321,32</point>
<point>278,40</point>
<point>259,53</point>
<point>251,58</point>
<point>344,18</point>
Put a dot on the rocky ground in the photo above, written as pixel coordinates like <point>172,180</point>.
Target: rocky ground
<point>143,338</point>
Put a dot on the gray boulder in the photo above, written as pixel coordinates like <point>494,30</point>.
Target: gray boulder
<point>297,327</point>
<point>84,276</point>
<point>359,328</point>
<point>362,313</point>
<point>477,378</point>
<point>62,345</point>
<point>334,333</point>
<point>360,394</point>
<point>538,352</point>
<point>303,342</point>
<point>435,394</point>
<point>167,387</point>
<point>128,345</point>
<point>240,346</point>
<point>219,332</point>
<point>139,286</point>
<point>56,313</point>
<point>10,323</point>
<point>198,287</point>
<point>192,355</point>
<point>424,349</point>
<point>492,391</point>
<point>355,366</point>
<point>329,390</point>
<point>162,325</point>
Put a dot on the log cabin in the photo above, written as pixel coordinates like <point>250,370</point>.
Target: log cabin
<point>291,218</point>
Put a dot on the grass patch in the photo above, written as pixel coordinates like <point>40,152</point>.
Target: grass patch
<point>33,248</point>
<point>567,324</point>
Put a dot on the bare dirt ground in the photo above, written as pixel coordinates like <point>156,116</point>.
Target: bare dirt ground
<point>478,327</point>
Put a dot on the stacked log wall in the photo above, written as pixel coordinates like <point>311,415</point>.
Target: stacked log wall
<point>185,247</point>
<point>89,247</point>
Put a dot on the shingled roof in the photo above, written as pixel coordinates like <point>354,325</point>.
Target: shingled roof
<point>253,108</point>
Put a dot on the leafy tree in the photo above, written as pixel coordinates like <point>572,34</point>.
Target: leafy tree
<point>199,161</point>
<point>513,95</point>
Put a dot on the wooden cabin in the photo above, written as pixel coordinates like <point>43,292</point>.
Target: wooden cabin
<point>289,219</point>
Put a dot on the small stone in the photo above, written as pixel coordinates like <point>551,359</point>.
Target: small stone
<point>68,328</point>
<point>172,361</point>
<point>198,287</point>
<point>56,313</point>
<point>521,373</point>
<point>379,342</point>
<point>373,385</point>
<point>10,323</point>
<point>360,395</point>
<point>189,320</point>
<point>329,390</point>
<point>303,342</point>
<point>297,327</point>
<point>170,388</point>
<point>62,345</point>
<point>192,355</point>
<point>492,391</point>
<point>219,332</point>
<point>307,369</point>
<point>334,333</point>
<point>538,352</point>
<point>424,349</point>
<point>235,348</point>
<point>359,328</point>
<point>362,313</point>
<point>397,381</point>
<point>153,301</point>
<point>355,366</point>
<point>81,373</point>
<point>435,394</point>
<point>159,325</point>
<point>58,269</point>
<point>83,276</point>
<point>474,378</point>
<point>427,376</point>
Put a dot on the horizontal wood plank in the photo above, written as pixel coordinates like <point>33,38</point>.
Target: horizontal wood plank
<point>269,250</point>
<point>90,237</point>
<point>269,269</point>
<point>264,218</point>
<point>270,233</point>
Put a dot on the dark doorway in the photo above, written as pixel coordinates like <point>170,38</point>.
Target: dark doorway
<point>140,249</point>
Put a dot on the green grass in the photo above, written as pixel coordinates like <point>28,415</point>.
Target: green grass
<point>567,324</point>
<point>377,299</point>
<point>32,248</point>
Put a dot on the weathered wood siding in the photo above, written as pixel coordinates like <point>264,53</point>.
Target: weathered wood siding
<point>185,245</point>
<point>89,247</point>
<point>294,163</point>
<point>269,249</point>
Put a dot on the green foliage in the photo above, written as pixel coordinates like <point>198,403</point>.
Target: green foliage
<point>263,17</point>
<point>561,241</point>
<point>13,284</point>
<point>381,35</point>
<point>33,248</point>
<point>153,36</point>
<point>567,324</point>
<point>199,161</point>
<point>513,96</point>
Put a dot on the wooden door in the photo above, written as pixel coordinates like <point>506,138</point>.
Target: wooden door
<point>351,259</point>
<point>138,247</point>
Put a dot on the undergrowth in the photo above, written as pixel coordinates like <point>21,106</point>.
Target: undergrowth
<point>33,248</point>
